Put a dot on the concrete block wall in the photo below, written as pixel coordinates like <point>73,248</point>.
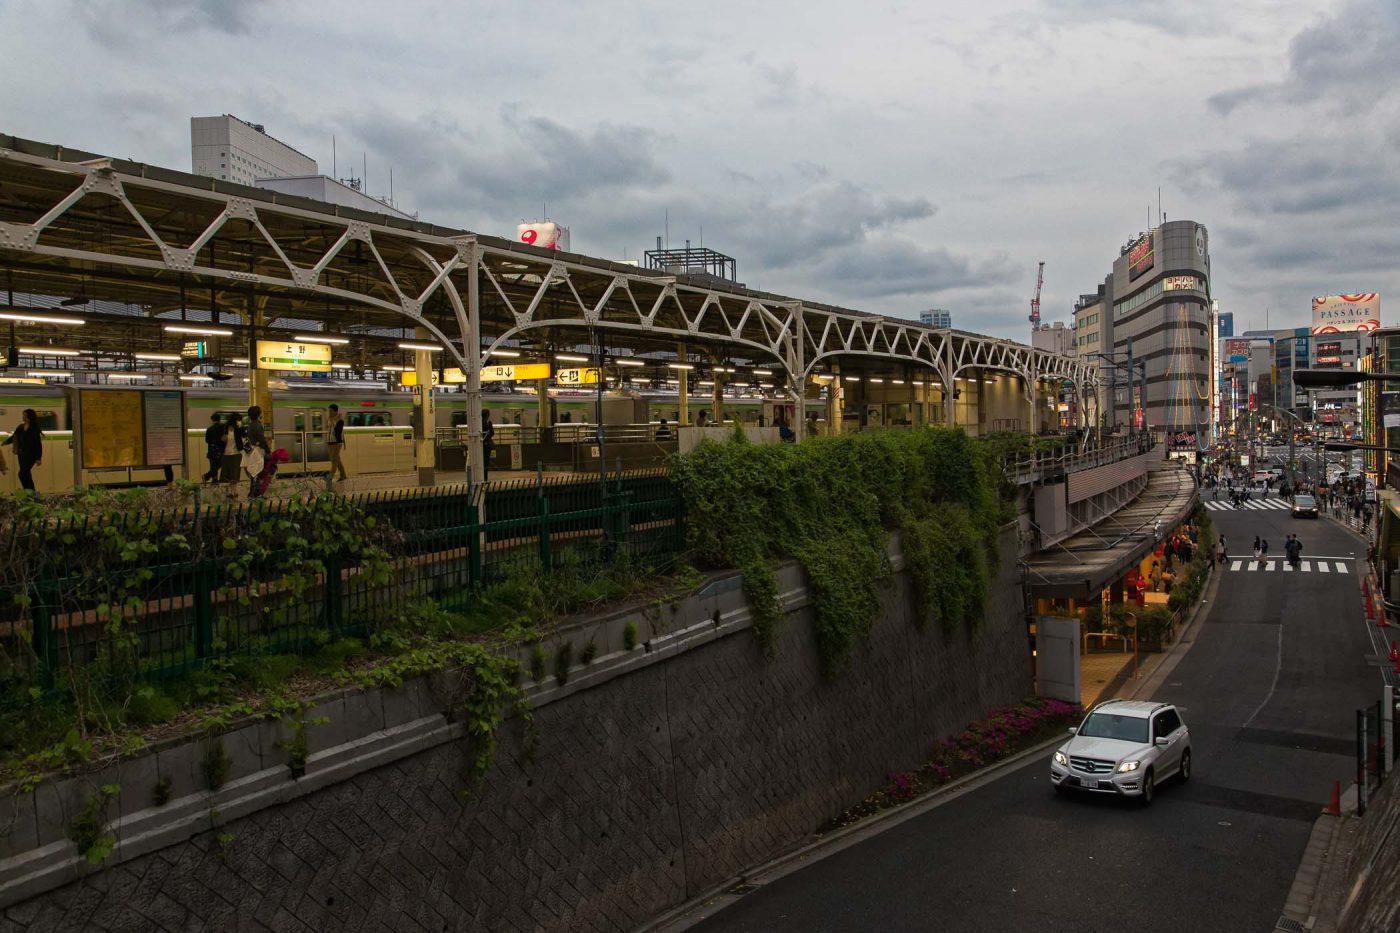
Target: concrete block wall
<point>659,774</point>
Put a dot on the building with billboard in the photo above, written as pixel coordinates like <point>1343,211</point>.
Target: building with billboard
<point>1341,314</point>
<point>1155,308</point>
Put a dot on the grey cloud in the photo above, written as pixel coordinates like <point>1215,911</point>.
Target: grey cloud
<point>124,23</point>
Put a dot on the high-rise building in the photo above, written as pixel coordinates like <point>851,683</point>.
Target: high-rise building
<point>1056,338</point>
<point>1225,324</point>
<point>937,317</point>
<point>1153,311</point>
<point>231,149</point>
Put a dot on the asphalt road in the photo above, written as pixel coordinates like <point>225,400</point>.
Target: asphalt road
<point>1269,690</point>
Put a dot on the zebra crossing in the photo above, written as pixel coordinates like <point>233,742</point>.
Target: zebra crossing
<point>1257,504</point>
<point>1270,565</point>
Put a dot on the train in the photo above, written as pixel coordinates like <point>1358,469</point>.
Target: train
<point>378,425</point>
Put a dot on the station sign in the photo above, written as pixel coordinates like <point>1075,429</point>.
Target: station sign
<point>508,372</point>
<point>291,356</point>
<point>196,350</point>
<point>576,377</point>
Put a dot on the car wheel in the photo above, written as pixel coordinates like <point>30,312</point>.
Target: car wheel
<point>1148,789</point>
<point>1186,766</point>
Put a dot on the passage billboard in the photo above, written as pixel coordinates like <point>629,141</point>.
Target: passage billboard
<point>548,235</point>
<point>1333,314</point>
<point>1140,257</point>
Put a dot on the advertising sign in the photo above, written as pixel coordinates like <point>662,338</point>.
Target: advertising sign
<point>548,235</point>
<point>512,371</point>
<point>1140,257</point>
<point>1236,349</point>
<point>1390,409</point>
<point>1182,440</point>
<point>120,428</point>
<point>165,428</point>
<point>1334,314</point>
<point>1177,282</point>
<point>290,356</point>
<point>1329,353</point>
<point>576,377</point>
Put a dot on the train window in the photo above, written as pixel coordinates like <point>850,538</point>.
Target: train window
<point>459,418</point>
<point>48,420</point>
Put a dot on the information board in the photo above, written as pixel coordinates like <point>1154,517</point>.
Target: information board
<point>110,428</point>
<point>576,377</point>
<point>291,356</point>
<point>511,371</point>
<point>165,427</point>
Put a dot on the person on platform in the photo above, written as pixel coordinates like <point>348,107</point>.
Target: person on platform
<point>28,443</point>
<point>255,450</point>
<point>335,441</point>
<point>488,443</point>
<point>233,450</point>
<point>214,447</point>
<point>663,432</point>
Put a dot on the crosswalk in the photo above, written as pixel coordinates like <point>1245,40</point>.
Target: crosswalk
<point>1306,566</point>
<point>1251,504</point>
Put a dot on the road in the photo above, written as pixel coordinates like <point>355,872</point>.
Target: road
<point>1269,689</point>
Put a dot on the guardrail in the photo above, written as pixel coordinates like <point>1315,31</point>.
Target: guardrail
<point>1024,468</point>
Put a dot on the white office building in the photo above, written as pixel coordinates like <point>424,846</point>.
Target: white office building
<point>231,149</point>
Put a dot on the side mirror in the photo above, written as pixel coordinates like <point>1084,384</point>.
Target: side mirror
<point>1073,730</point>
<point>1161,740</point>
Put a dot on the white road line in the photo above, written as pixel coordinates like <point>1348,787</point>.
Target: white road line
<point>1235,564</point>
<point>1269,565</point>
<point>1322,566</point>
<point>1286,567</point>
<point>1306,566</point>
<point>1342,568</point>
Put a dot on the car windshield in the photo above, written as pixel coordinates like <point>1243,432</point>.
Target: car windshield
<point>1109,726</point>
<point>1306,502</point>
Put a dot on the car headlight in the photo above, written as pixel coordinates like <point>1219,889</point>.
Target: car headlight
<point>1128,766</point>
<point>1061,759</point>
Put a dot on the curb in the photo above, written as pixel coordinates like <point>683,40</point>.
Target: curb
<point>680,918</point>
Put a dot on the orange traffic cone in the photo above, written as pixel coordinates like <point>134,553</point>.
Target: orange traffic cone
<point>1334,806</point>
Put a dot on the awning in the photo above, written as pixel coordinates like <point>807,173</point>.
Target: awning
<point>1081,566</point>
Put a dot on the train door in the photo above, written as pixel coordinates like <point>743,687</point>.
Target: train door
<point>302,433</point>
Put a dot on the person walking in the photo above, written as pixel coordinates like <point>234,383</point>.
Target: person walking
<point>335,442</point>
<point>488,444</point>
<point>1257,552</point>
<point>255,450</point>
<point>28,443</point>
<point>233,449</point>
<point>214,447</point>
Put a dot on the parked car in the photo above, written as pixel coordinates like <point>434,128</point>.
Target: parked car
<point>1304,507</point>
<point>1124,748</point>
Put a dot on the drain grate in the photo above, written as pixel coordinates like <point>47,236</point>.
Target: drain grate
<point>1289,925</point>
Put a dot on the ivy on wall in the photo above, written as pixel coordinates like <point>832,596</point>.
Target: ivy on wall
<point>831,503</point>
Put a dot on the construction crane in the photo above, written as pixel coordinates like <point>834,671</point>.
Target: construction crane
<point>1035,302</point>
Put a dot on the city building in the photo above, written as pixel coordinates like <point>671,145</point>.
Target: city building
<point>937,317</point>
<point>1335,410</point>
<point>231,149</point>
<point>1056,338</point>
<point>1224,323</point>
<point>327,189</point>
<point>1153,313</point>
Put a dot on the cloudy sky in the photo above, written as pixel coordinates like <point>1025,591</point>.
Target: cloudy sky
<point>884,156</point>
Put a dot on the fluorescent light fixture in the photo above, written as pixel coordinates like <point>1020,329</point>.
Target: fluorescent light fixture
<point>623,362</point>
<point>511,353</point>
<point>429,347</point>
<point>239,361</point>
<point>570,358</point>
<point>197,331</point>
<point>394,369</point>
<point>135,377</point>
<point>158,357</point>
<point>703,384</point>
<point>673,382</point>
<point>852,378</point>
<point>196,377</point>
<point>680,366</point>
<point>45,373</point>
<point>876,379</point>
<point>24,316</point>
<point>320,338</point>
<point>49,351</point>
<point>898,382</point>
<point>918,382</point>
<point>762,372</point>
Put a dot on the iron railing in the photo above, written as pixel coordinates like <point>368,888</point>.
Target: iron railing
<point>193,603</point>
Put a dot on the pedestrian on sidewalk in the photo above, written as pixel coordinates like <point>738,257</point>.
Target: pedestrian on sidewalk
<point>1258,553</point>
<point>335,442</point>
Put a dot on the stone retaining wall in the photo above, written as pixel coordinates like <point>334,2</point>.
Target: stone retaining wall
<point>659,773</point>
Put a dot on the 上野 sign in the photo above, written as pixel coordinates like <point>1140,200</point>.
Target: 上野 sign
<point>576,377</point>
<point>290,356</point>
<point>512,371</point>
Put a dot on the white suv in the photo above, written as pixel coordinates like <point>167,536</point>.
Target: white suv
<point>1124,747</point>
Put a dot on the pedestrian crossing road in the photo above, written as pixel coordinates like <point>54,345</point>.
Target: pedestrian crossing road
<point>1251,504</point>
<point>1315,565</point>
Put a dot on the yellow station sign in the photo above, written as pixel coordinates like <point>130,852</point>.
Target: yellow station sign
<point>508,372</point>
<point>576,377</point>
<point>294,357</point>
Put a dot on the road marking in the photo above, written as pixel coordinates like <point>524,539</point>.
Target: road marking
<point>1254,564</point>
<point>1286,568</point>
<point>1306,566</point>
<point>1342,568</point>
<point>1235,565</point>
<point>1278,667</point>
<point>1322,566</point>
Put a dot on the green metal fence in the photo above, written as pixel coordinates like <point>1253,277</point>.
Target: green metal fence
<point>197,604</point>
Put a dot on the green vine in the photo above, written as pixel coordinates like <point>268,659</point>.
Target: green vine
<point>88,828</point>
<point>830,503</point>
